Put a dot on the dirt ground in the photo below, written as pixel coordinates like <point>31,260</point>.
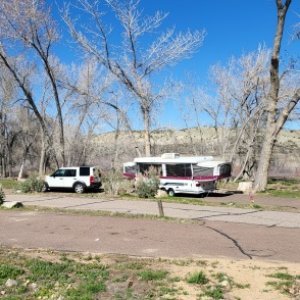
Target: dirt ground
<point>244,279</point>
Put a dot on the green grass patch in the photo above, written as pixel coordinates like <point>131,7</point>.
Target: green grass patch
<point>9,271</point>
<point>215,292</point>
<point>294,194</point>
<point>131,266</point>
<point>288,188</point>
<point>282,276</point>
<point>152,275</point>
<point>44,270</point>
<point>221,277</point>
<point>285,283</point>
<point>197,278</point>
<point>284,181</point>
<point>9,183</point>
<point>67,278</point>
<point>185,200</point>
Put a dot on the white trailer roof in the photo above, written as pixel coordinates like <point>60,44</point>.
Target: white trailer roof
<point>211,163</point>
<point>177,159</point>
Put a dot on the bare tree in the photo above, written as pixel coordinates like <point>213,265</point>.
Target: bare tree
<point>279,103</point>
<point>27,25</point>
<point>19,130</point>
<point>132,64</point>
<point>28,144</point>
<point>95,97</point>
<point>233,101</point>
<point>7,90</point>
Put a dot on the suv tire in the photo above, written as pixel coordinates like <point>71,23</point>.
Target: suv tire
<point>45,187</point>
<point>79,188</point>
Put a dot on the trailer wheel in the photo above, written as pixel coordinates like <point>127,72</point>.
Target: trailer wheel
<point>171,193</point>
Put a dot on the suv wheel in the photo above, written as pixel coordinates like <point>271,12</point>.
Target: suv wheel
<point>79,188</point>
<point>45,187</point>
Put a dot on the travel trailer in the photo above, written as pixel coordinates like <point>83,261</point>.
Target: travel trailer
<point>181,174</point>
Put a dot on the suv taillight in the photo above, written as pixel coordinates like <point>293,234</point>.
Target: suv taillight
<point>198,184</point>
<point>92,179</point>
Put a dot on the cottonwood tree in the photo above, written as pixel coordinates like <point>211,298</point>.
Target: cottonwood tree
<point>19,129</point>
<point>282,98</point>
<point>95,97</point>
<point>27,28</point>
<point>27,147</point>
<point>235,107</point>
<point>7,92</point>
<point>242,87</point>
<point>132,61</point>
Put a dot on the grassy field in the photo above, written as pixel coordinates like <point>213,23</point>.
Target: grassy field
<point>286,188</point>
<point>9,183</point>
<point>56,275</point>
<point>289,188</point>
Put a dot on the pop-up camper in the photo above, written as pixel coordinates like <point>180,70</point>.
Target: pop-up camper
<point>181,174</point>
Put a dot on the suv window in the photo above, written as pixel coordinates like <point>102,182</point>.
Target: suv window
<point>84,171</point>
<point>65,173</point>
<point>70,173</point>
<point>59,173</point>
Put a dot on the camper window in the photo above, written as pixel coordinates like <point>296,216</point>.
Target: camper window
<point>225,170</point>
<point>130,169</point>
<point>202,171</point>
<point>144,168</point>
<point>183,170</point>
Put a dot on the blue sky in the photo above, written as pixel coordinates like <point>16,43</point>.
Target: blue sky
<point>233,27</point>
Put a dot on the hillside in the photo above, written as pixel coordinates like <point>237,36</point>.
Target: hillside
<point>192,142</point>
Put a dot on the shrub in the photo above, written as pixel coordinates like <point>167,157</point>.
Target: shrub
<point>113,183</point>
<point>2,195</point>
<point>32,184</point>
<point>148,184</point>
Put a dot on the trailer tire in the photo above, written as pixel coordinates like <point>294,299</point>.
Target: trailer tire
<point>171,193</point>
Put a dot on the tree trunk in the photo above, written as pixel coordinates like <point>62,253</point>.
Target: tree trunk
<point>20,175</point>
<point>272,100</point>
<point>261,178</point>
<point>2,144</point>
<point>3,168</point>
<point>9,162</point>
<point>43,157</point>
<point>116,146</point>
<point>147,137</point>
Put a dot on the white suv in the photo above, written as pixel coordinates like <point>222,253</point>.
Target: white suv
<point>77,178</point>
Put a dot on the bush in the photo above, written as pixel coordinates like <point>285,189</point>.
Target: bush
<point>113,183</point>
<point>2,195</point>
<point>148,184</point>
<point>32,184</point>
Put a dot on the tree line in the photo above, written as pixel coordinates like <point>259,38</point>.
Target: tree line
<point>51,111</point>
